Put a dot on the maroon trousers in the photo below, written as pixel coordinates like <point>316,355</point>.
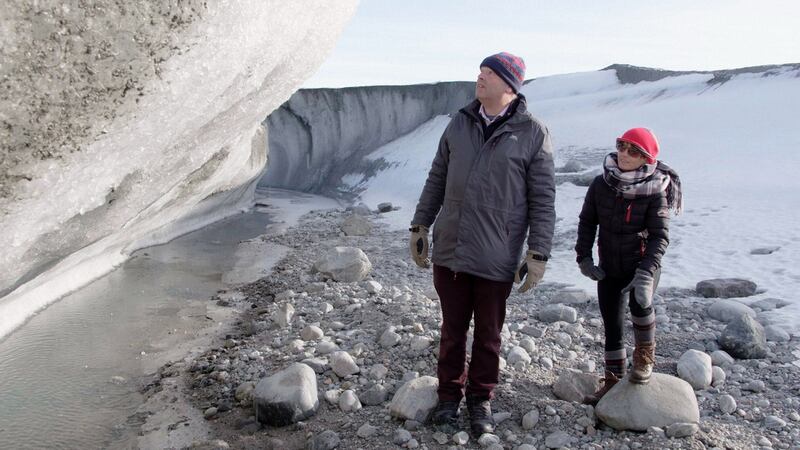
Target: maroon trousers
<point>463,296</point>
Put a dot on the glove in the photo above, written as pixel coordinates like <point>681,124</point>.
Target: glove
<point>533,268</point>
<point>418,245</point>
<point>589,270</point>
<point>642,287</point>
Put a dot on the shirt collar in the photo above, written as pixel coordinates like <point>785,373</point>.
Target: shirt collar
<point>489,119</point>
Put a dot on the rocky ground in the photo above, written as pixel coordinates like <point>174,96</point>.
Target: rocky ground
<point>389,325</point>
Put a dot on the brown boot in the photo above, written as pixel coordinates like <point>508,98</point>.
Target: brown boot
<point>644,356</point>
<point>608,382</point>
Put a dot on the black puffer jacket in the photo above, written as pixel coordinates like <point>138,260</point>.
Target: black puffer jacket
<point>634,233</point>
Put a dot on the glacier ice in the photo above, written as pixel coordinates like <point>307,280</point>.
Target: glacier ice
<point>186,146</point>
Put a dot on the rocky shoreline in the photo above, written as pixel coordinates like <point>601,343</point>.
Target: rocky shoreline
<point>388,327</point>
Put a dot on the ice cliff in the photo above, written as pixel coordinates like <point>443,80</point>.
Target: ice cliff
<point>319,135</point>
<point>118,119</point>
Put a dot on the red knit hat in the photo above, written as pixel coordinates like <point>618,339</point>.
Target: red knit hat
<point>645,140</point>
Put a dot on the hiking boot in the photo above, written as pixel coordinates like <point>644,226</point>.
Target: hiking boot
<point>644,356</point>
<point>480,415</point>
<point>608,382</point>
<point>446,413</point>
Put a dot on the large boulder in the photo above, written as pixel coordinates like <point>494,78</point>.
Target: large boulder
<point>744,338</point>
<point>727,310</point>
<point>286,397</point>
<point>665,400</point>
<point>726,288</point>
<point>694,367</point>
<point>356,225</point>
<point>573,385</point>
<point>346,264</point>
<point>416,399</point>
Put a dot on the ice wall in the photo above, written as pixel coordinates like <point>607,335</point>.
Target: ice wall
<point>319,135</point>
<point>120,118</point>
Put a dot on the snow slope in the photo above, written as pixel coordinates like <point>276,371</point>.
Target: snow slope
<point>734,143</point>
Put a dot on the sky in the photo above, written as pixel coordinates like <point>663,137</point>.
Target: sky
<point>391,43</point>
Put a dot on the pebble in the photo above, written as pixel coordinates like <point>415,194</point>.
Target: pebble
<point>401,436</point>
<point>461,438</point>
<point>530,419</point>
<point>367,431</point>
<point>440,437</point>
<point>488,439</point>
<point>727,404</point>
<point>210,412</point>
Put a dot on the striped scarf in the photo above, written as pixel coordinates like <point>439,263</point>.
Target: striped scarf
<point>647,180</point>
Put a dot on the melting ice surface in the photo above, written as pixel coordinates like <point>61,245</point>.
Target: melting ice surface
<point>734,145</point>
<point>191,149</point>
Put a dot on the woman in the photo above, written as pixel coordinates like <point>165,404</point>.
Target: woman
<point>630,203</point>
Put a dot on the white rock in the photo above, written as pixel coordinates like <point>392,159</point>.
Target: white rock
<point>356,225</point>
<point>311,333</point>
<point>558,439</point>
<point>588,365</point>
<point>349,401</point>
<point>416,399</point>
<point>774,422</point>
<point>563,340</point>
<point>717,376</point>
<point>558,312</point>
<point>318,364</point>
<point>295,346</point>
<point>389,338</point>
<point>727,404</point>
<point>283,315</point>
<point>366,431</point>
<point>325,347</point>
<point>775,333</point>
<point>573,385</point>
<point>286,396</point>
<point>346,264</point>
<point>488,439</point>
<point>528,344</point>
<point>332,396</point>
<point>530,419</point>
<point>518,357</point>
<point>461,438</point>
<point>342,364</point>
<point>727,310</point>
<point>373,287</point>
<point>501,416</point>
<point>401,436</point>
<point>378,372</point>
<point>663,401</point>
<point>420,342</point>
<point>695,368</point>
<point>721,358</point>
<point>680,430</point>
<point>326,307</point>
<point>572,296</point>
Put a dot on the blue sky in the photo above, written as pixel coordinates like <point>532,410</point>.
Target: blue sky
<point>413,41</point>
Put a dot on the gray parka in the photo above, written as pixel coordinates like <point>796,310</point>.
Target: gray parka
<point>486,195</point>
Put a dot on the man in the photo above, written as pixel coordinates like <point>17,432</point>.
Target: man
<point>490,186</point>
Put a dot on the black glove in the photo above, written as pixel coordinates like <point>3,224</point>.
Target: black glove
<point>588,269</point>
